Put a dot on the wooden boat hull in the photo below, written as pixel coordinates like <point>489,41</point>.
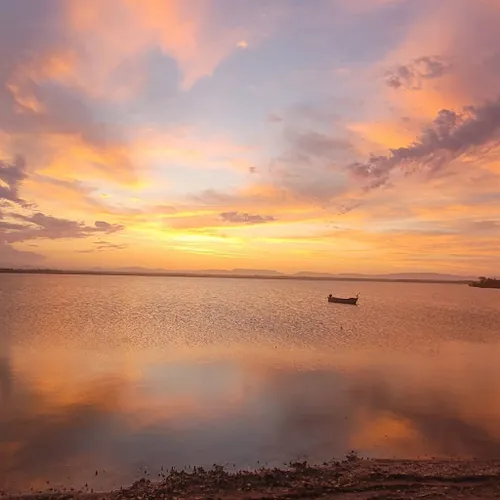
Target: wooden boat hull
<point>336,300</point>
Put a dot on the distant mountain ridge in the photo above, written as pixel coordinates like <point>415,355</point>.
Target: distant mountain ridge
<point>389,276</point>
<point>253,273</point>
<point>239,272</point>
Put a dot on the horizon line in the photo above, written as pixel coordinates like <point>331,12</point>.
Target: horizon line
<point>301,275</point>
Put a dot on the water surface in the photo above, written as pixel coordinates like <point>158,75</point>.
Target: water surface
<point>122,375</point>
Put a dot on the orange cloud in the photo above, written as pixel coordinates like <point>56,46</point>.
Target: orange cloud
<point>384,135</point>
<point>120,30</point>
<point>50,121</point>
<point>449,30</point>
<point>188,148</point>
<point>68,156</point>
<point>56,66</point>
<point>65,104</point>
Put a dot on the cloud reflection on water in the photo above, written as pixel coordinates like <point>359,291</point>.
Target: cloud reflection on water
<point>64,418</point>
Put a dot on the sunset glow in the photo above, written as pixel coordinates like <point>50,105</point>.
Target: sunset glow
<point>329,136</point>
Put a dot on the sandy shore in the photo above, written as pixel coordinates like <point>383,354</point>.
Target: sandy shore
<point>350,479</point>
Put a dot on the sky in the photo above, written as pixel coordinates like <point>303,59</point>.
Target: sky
<point>334,136</point>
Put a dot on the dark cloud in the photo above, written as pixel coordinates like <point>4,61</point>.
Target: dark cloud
<point>433,67</point>
<point>40,225</point>
<point>411,76</point>
<point>11,177</point>
<point>107,227</point>
<point>274,118</point>
<point>480,226</point>
<point>307,169</point>
<point>317,144</point>
<point>11,257</point>
<point>449,136</point>
<point>101,246</point>
<point>106,245</point>
<point>348,206</point>
<point>11,226</point>
<point>244,218</point>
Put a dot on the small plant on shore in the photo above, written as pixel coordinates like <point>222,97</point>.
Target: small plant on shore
<point>299,465</point>
<point>352,456</point>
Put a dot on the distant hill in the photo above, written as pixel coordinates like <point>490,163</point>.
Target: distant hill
<point>241,272</point>
<point>388,276</point>
<point>129,270</point>
<point>305,274</point>
<point>428,276</point>
<point>254,273</point>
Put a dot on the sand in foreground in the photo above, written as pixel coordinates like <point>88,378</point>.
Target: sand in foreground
<point>348,480</point>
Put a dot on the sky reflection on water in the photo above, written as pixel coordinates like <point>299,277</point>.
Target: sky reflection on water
<point>63,419</point>
<point>123,387</point>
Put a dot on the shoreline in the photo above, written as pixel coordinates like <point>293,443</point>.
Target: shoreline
<point>194,274</point>
<point>351,479</point>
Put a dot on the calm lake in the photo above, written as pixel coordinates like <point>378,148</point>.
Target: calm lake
<point>105,379</point>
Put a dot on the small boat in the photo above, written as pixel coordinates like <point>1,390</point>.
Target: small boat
<point>337,300</point>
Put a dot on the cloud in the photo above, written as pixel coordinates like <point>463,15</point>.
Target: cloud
<point>198,36</point>
<point>11,257</point>
<point>449,136</point>
<point>65,65</point>
<point>107,227</point>
<point>317,144</point>
<point>40,225</point>
<point>274,118</point>
<point>11,177</point>
<point>45,110</point>
<point>306,172</point>
<point>99,95</point>
<point>365,6</point>
<point>411,76</point>
<point>259,196</point>
<point>64,193</point>
<point>245,218</point>
<point>189,147</point>
<point>101,246</point>
<point>486,226</point>
<point>106,245</point>
<point>462,36</point>
<point>11,226</point>
<point>307,168</point>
